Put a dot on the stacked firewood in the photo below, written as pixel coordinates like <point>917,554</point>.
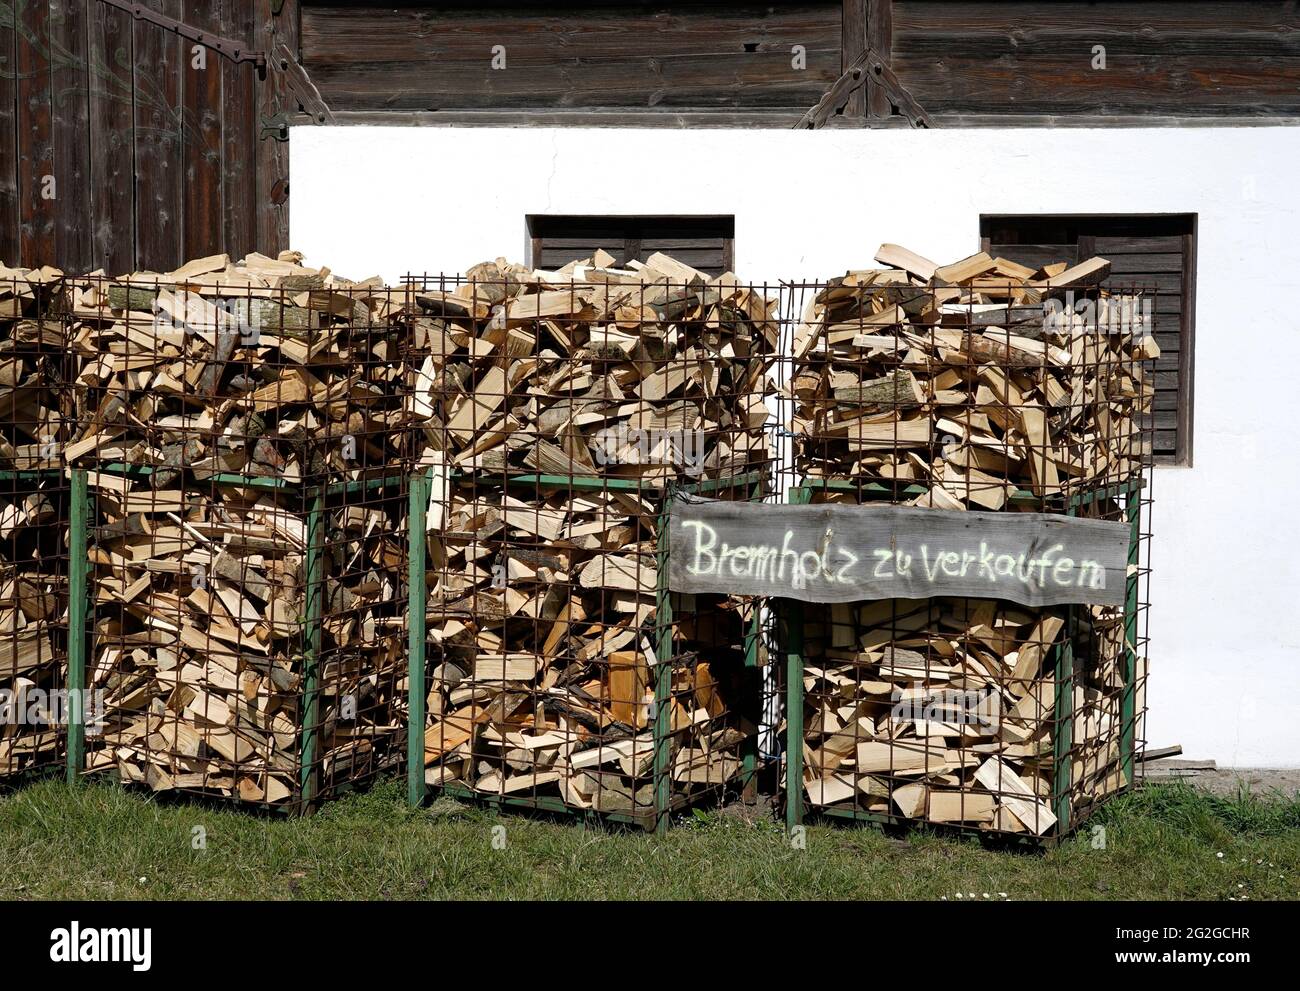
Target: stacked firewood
<point>651,372</point>
<point>944,710</point>
<point>970,382</point>
<point>202,637</point>
<point>33,512</point>
<point>33,367</point>
<point>265,367</point>
<point>33,625</point>
<point>546,651</point>
<point>217,406</point>
<point>558,406</point>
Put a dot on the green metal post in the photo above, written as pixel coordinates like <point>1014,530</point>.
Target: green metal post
<point>1128,695</point>
<point>663,674</point>
<point>78,595</point>
<point>312,646</point>
<point>1063,737</point>
<point>792,637</point>
<point>421,485</point>
<point>752,675</point>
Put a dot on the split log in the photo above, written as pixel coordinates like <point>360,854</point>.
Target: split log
<point>34,418</point>
<point>265,367</point>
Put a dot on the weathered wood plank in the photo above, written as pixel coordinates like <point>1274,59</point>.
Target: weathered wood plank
<point>272,233</point>
<point>1132,244</point>
<point>1059,84</point>
<point>112,129</point>
<point>705,55</point>
<point>845,553</point>
<point>854,27</point>
<point>239,137</point>
<point>763,79</point>
<point>465,33</point>
<point>1138,264</point>
<point>997,29</point>
<point>159,118</point>
<point>202,146</point>
<point>71,120</point>
<point>10,217</point>
<point>880,36</point>
<point>35,135</point>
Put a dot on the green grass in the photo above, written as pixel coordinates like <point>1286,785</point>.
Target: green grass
<point>99,841</point>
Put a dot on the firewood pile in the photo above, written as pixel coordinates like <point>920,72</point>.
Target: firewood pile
<point>204,636</point>
<point>33,625</point>
<point>558,407</point>
<point>944,711</point>
<point>651,372</point>
<point>968,383</point>
<point>546,650</point>
<point>246,438</point>
<point>33,370</point>
<point>265,367</point>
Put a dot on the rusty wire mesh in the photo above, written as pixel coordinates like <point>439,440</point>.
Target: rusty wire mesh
<point>33,524</point>
<point>247,455</point>
<point>976,713</point>
<point>561,416</point>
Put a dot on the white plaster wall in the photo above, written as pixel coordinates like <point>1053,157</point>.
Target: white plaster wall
<point>1225,621</point>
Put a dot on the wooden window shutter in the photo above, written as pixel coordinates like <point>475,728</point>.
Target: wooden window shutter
<point>706,243</point>
<point>1148,250</point>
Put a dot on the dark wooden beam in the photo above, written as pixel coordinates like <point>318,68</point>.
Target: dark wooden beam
<point>36,237</point>
<point>880,36</point>
<point>854,45</point>
<point>112,136</point>
<point>10,216</point>
<point>274,105</point>
<point>1187,346</point>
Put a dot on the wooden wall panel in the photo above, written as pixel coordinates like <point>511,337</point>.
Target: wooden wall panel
<point>9,213</point>
<point>1035,58</point>
<point>70,127</point>
<point>154,159</point>
<point>35,132</point>
<point>159,119</point>
<point>571,56</point>
<point>203,226</point>
<point>272,156</point>
<point>111,204</point>
<point>239,137</point>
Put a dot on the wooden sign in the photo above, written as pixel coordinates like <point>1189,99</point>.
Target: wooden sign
<point>843,553</point>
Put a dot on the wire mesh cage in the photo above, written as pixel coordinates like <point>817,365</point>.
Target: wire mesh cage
<point>246,451</point>
<point>563,411</point>
<point>996,393</point>
<point>33,524</point>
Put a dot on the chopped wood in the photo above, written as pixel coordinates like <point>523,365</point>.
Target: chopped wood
<point>915,378</point>
<point>655,372</point>
<point>927,710</point>
<point>543,657</point>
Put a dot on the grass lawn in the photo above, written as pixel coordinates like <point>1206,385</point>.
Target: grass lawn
<point>99,841</point>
